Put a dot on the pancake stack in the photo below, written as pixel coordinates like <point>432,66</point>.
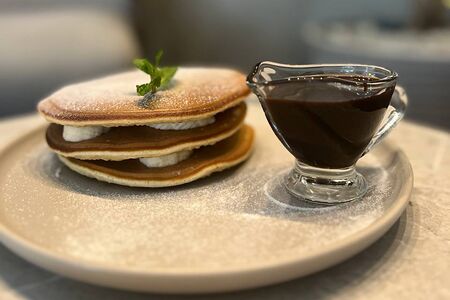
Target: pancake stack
<point>188,130</point>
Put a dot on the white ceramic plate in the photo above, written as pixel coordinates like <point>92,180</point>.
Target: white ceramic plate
<point>217,234</point>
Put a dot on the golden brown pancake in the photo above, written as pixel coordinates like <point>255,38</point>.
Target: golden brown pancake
<point>203,162</point>
<point>194,93</point>
<point>121,143</point>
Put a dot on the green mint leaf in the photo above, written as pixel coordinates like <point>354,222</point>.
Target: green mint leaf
<point>167,74</point>
<point>158,57</point>
<point>144,65</point>
<point>159,76</point>
<point>143,89</point>
<point>155,84</point>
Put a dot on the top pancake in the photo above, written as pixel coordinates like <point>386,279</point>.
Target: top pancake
<point>194,93</point>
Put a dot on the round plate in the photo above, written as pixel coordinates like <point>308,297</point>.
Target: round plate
<point>220,233</point>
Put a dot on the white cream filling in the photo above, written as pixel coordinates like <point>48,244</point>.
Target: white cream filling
<point>165,160</point>
<point>183,125</point>
<point>82,133</point>
<point>78,134</point>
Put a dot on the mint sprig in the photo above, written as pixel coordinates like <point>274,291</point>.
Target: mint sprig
<point>159,76</point>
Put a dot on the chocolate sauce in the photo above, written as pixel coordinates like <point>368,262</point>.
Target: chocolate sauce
<point>326,121</point>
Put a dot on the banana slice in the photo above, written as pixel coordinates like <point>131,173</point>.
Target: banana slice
<point>183,125</point>
<point>165,160</point>
<point>78,134</point>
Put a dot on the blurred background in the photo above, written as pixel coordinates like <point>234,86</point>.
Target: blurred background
<point>48,43</point>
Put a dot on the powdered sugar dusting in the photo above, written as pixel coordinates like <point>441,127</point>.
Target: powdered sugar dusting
<point>219,222</point>
<point>191,90</point>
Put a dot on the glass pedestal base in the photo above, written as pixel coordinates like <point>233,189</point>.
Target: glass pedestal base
<point>316,186</point>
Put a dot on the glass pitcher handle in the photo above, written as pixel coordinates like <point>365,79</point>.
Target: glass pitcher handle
<point>399,102</point>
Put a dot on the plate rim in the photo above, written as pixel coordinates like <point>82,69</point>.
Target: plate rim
<point>75,268</point>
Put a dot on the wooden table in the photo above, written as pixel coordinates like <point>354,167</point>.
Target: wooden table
<point>412,261</point>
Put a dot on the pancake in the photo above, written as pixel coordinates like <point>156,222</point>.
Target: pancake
<point>203,162</point>
<point>193,94</point>
<point>121,143</point>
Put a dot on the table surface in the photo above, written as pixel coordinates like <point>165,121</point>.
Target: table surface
<point>411,261</point>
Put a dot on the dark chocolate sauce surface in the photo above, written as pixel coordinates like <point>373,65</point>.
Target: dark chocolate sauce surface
<point>326,121</point>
